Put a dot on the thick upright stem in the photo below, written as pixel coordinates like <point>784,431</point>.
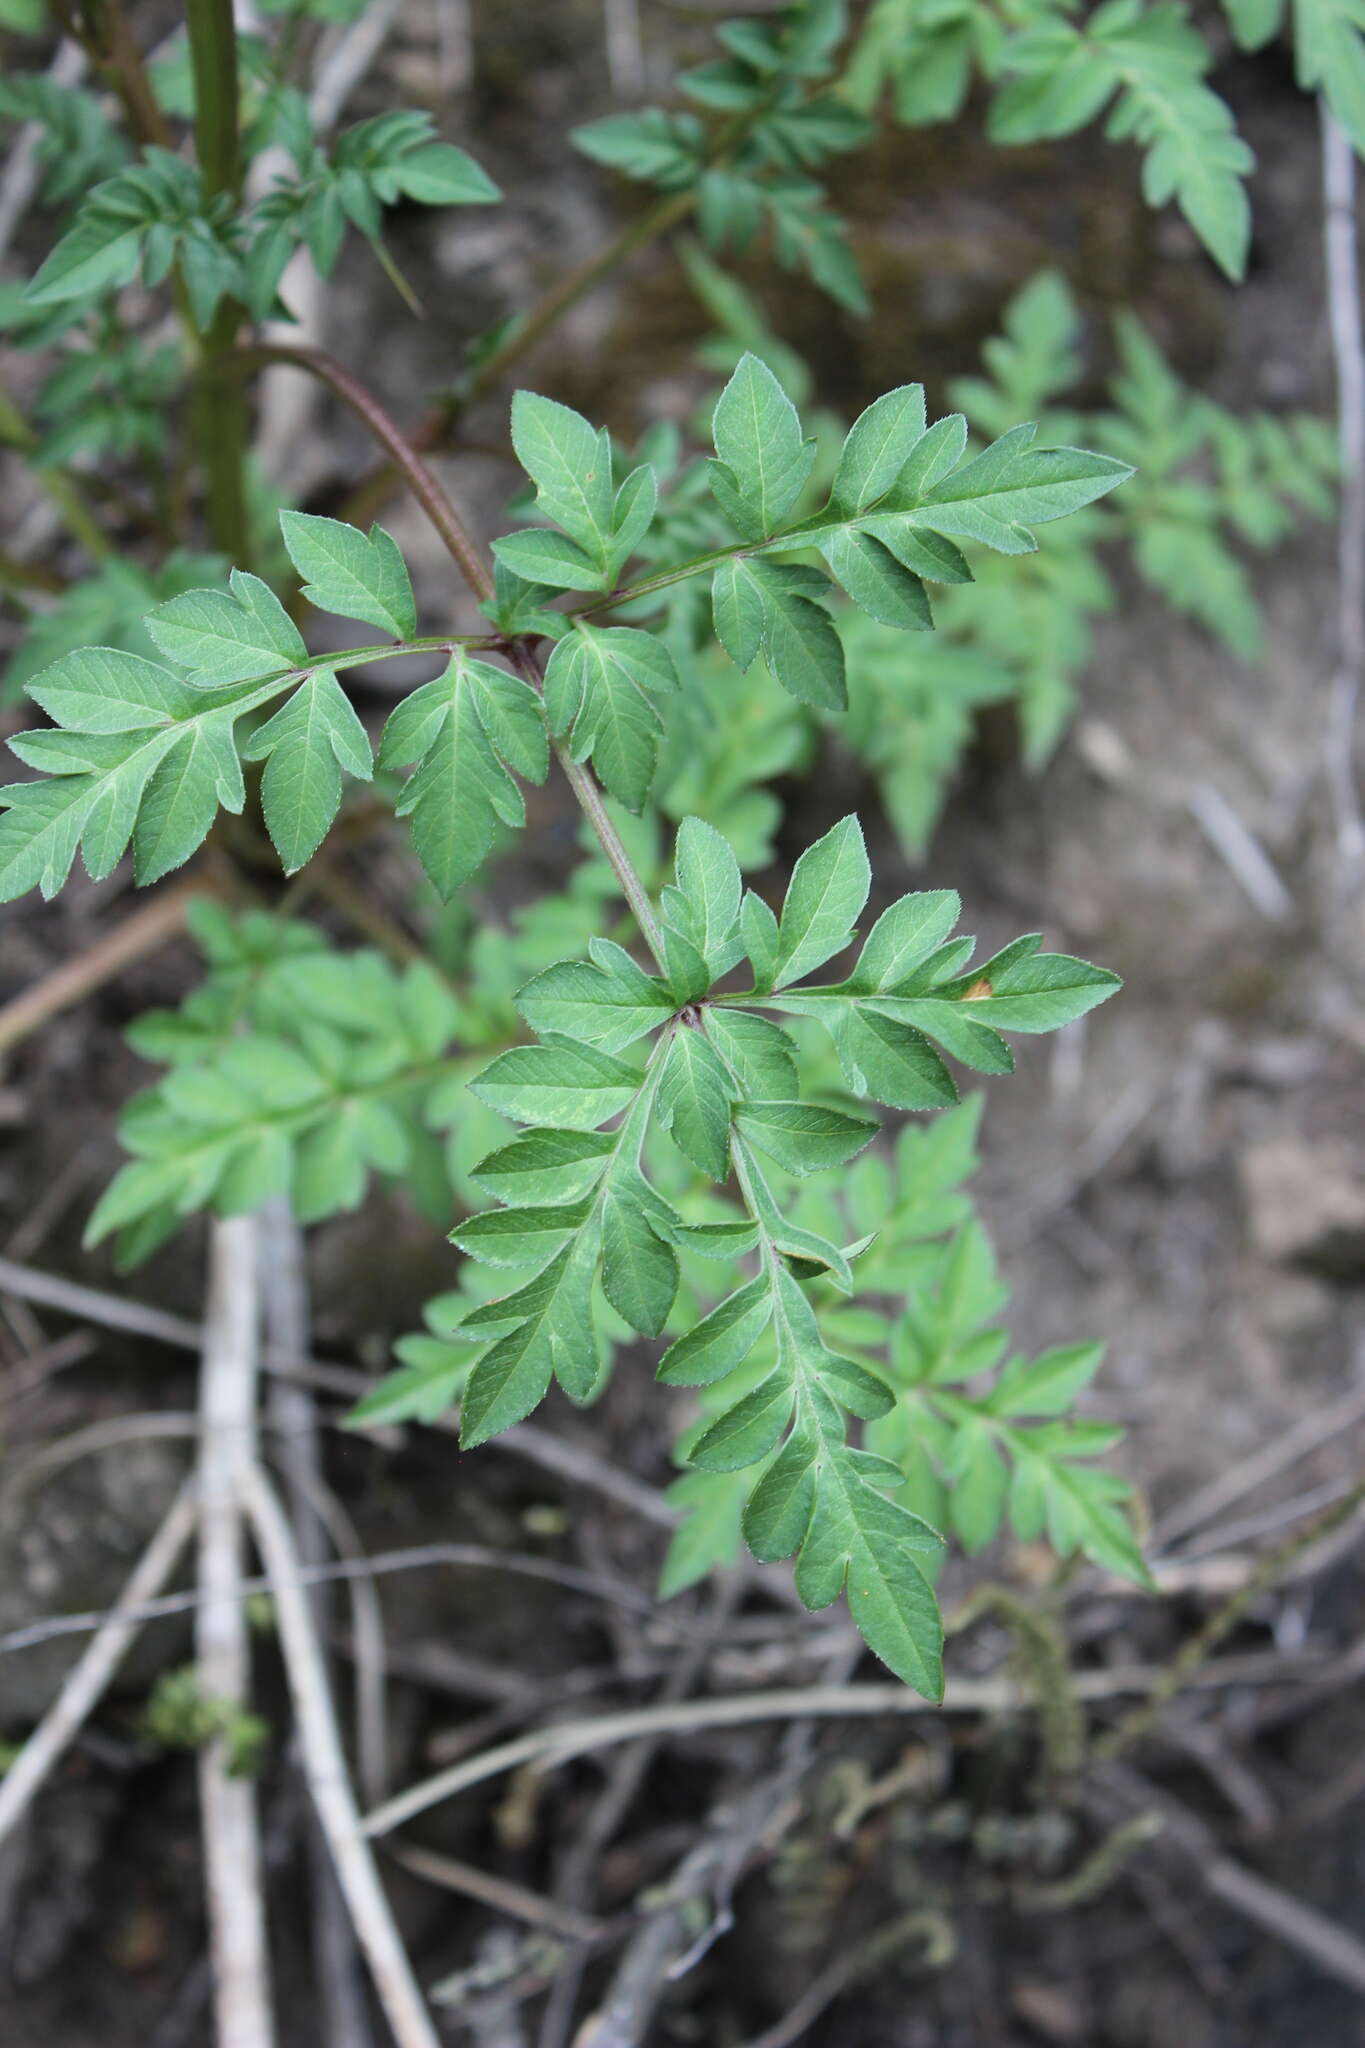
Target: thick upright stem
<point>213,59</point>
<point>220,411</point>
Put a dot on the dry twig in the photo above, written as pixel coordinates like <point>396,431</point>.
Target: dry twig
<point>1285,1918</point>
<point>325,1767</point>
<point>145,931</point>
<point>87,1681</point>
<point>292,1411</point>
<point>232,1849</point>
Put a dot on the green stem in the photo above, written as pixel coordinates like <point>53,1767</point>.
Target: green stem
<point>213,60</point>
<point>800,537</point>
<point>666,578</point>
<point>220,411</point>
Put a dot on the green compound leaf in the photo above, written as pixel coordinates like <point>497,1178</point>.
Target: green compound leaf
<point>196,776</point>
<point>265,1096</point>
<point>223,639</point>
<point>761,1054</point>
<point>802,1136</point>
<point>758,439</point>
<point>1012,486</point>
<point>639,1270</point>
<point>551,1336</point>
<point>776,608</point>
<point>520,1237</point>
<point>748,1430</point>
<point>546,1166</point>
<point>1155,60</point>
<point>607,1001</point>
<point>355,575</point>
<point>738,611</point>
<point>439,174</point>
<point>704,905</point>
<point>467,729</point>
<point>694,1102</point>
<point>572,1086</point>
<point>1023,989</point>
<point>904,937</point>
<point>827,891</point>
<point>99,254</point>
<point>657,148</point>
<point>569,462</point>
<point>1047,1385</point>
<point>539,556</point>
<point>142,753</point>
<point>879,444</point>
<point>877,582</point>
<point>722,1340</point>
<point>305,747</point>
<point>858,1537</point>
<point>600,687</point>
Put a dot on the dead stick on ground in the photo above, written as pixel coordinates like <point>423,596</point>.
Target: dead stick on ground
<point>232,1849</point>
<point>87,1681</point>
<point>145,931</point>
<point>328,1781</point>
<point>1285,1918</point>
<point>561,1744</point>
<point>576,1881</point>
<point>292,1412</point>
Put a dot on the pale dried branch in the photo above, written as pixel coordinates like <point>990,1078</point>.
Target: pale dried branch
<point>560,1745</point>
<point>87,1681</point>
<point>292,1412</point>
<point>325,1767</point>
<point>232,1848</point>
<point>1332,1947</point>
<point>144,931</point>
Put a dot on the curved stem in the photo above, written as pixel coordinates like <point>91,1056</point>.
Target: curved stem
<point>419,479</point>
